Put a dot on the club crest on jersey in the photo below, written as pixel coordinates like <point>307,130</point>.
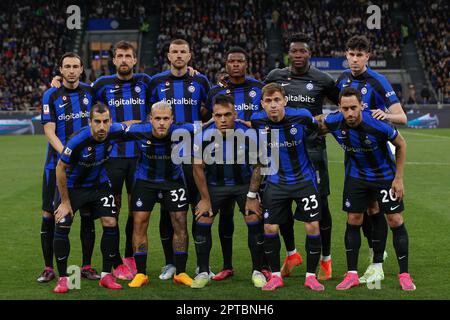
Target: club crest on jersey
<point>310,86</point>
<point>137,89</point>
<point>116,86</point>
<point>252,93</point>
<point>64,98</point>
<point>344,132</point>
<point>167,83</point>
<point>347,203</point>
<point>364,90</point>
<point>149,142</point>
<point>228,91</point>
<point>139,203</point>
<point>367,141</point>
<point>89,148</point>
<point>293,131</point>
<point>86,101</point>
<point>266,214</point>
<point>191,89</point>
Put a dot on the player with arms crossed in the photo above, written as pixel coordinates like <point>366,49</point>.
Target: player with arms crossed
<point>295,180</point>
<point>370,175</point>
<point>379,99</point>
<point>84,185</point>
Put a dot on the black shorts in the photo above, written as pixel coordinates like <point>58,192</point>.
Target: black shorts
<point>277,202</point>
<point>222,196</point>
<point>121,170</point>
<point>146,194</point>
<point>319,159</point>
<point>359,193</point>
<point>48,190</point>
<point>192,191</point>
<point>97,201</point>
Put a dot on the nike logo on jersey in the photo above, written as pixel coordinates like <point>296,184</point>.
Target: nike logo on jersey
<point>162,90</point>
<point>285,84</point>
<point>63,105</point>
<point>115,90</point>
<point>393,208</point>
<point>180,206</point>
<point>87,155</point>
<point>313,215</point>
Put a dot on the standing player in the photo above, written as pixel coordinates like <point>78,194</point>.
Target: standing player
<point>379,98</point>
<point>127,96</point>
<point>225,180</point>
<point>156,172</point>
<point>186,93</point>
<point>246,92</point>
<point>370,175</point>
<point>307,87</point>
<point>65,111</point>
<point>295,180</point>
<point>83,184</point>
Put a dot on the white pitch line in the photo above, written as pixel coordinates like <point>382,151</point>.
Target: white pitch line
<point>410,163</point>
<point>425,135</point>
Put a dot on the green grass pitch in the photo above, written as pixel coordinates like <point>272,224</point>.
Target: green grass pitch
<point>427,217</point>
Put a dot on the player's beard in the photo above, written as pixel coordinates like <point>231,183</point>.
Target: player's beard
<point>123,72</point>
<point>71,81</point>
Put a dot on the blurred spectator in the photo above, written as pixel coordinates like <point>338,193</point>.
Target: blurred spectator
<point>412,96</point>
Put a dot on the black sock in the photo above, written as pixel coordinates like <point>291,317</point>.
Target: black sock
<point>180,259</point>
<point>367,228</point>
<point>313,244</point>
<point>129,237</point>
<point>47,233</point>
<point>87,237</point>
<point>166,235</point>
<point>272,247</point>
<point>141,261</point>
<point>256,243</point>
<point>326,225</point>
<point>379,236</point>
<point>226,230</point>
<point>61,246</point>
<point>109,248</point>
<point>117,260</point>
<point>203,244</point>
<point>287,232</point>
<point>401,244</point>
<point>352,245</point>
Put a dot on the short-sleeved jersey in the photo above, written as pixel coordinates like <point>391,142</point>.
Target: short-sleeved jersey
<point>127,100</point>
<point>247,97</point>
<point>86,157</point>
<point>376,91</point>
<point>185,94</point>
<point>307,90</point>
<point>69,110</point>
<point>294,163</point>
<point>155,164</point>
<point>232,155</point>
<point>367,154</point>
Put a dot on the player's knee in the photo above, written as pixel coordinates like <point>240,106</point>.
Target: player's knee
<point>208,220</point>
<point>355,219</point>
<point>63,226</point>
<point>395,220</point>
<point>312,227</point>
<point>252,217</point>
<point>109,221</point>
<point>47,214</point>
<point>271,228</point>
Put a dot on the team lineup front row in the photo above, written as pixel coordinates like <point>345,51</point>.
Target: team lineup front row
<point>372,174</point>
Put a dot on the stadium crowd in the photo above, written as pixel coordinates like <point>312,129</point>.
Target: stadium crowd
<point>432,37</point>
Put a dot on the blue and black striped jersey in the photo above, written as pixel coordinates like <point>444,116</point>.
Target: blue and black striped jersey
<point>367,154</point>
<point>376,91</point>
<point>232,155</point>
<point>86,157</point>
<point>247,97</point>
<point>155,164</point>
<point>69,110</point>
<point>185,94</point>
<point>127,100</point>
<point>294,163</point>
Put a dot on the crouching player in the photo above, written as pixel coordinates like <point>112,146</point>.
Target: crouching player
<point>84,185</point>
<point>224,178</point>
<point>370,174</point>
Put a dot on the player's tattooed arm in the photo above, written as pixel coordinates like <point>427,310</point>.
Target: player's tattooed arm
<point>396,115</point>
<point>49,130</point>
<point>204,205</point>
<point>252,204</point>
<point>400,158</point>
<point>323,129</point>
<point>64,208</point>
